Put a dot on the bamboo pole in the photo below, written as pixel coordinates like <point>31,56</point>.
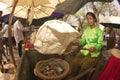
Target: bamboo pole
<point>9,34</point>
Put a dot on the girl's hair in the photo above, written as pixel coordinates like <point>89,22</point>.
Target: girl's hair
<point>93,15</point>
<point>1,12</point>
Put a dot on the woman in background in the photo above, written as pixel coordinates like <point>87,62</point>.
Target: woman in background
<point>111,39</point>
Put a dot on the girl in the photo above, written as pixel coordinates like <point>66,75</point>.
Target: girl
<point>92,39</point>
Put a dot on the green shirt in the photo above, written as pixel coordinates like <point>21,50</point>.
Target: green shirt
<point>92,37</point>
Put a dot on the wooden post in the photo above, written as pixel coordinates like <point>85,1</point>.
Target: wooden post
<point>9,34</point>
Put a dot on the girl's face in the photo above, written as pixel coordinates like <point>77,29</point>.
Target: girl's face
<point>91,20</point>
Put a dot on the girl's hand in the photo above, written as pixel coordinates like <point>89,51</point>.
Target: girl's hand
<point>92,49</point>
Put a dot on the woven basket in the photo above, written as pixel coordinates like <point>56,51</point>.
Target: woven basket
<point>53,61</point>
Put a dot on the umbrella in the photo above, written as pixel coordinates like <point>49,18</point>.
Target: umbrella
<point>33,12</point>
<point>30,9</point>
<point>36,8</point>
<point>28,2</point>
<point>113,21</point>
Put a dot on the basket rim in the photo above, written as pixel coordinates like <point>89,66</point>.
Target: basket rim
<point>40,75</point>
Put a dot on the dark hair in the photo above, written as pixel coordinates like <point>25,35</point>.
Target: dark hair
<point>1,12</point>
<point>93,15</point>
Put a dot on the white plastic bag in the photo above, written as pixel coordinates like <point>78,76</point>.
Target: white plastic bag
<point>54,36</point>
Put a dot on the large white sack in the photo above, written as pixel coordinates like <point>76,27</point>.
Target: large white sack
<point>54,36</point>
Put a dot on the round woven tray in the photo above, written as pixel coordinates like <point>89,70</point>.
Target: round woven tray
<point>52,61</point>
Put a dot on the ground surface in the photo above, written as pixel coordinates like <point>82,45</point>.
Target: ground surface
<point>9,65</point>
<point>11,73</point>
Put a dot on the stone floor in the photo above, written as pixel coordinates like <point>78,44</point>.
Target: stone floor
<point>9,65</point>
